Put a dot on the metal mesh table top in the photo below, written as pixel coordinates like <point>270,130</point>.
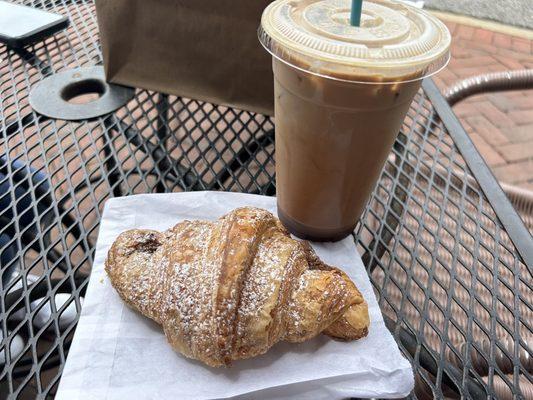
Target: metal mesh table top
<point>448,257</point>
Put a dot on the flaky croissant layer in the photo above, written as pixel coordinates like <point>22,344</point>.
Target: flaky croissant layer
<point>231,289</point>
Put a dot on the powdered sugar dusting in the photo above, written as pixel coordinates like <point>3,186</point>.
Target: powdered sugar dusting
<point>189,305</point>
<point>132,267</point>
<point>227,289</point>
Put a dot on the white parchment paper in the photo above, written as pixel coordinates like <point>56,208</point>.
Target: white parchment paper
<point>118,354</point>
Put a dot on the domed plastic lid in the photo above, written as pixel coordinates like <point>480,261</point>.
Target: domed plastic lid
<point>395,42</point>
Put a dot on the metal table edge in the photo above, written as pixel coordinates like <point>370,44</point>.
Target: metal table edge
<point>505,211</point>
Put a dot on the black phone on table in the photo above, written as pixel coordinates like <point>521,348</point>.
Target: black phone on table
<point>23,25</point>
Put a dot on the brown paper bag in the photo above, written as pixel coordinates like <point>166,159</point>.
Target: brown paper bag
<point>201,49</point>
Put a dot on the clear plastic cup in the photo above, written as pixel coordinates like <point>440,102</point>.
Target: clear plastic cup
<point>341,95</point>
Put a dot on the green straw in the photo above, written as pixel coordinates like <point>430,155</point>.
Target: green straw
<point>355,16</point>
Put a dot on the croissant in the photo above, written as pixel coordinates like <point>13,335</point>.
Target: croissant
<point>231,289</point>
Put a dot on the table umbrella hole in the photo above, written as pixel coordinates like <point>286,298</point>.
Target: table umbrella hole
<point>83,92</point>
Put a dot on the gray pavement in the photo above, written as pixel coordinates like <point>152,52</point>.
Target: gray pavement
<point>511,12</point>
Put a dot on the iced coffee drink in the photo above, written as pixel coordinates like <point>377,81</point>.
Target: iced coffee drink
<point>341,95</point>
